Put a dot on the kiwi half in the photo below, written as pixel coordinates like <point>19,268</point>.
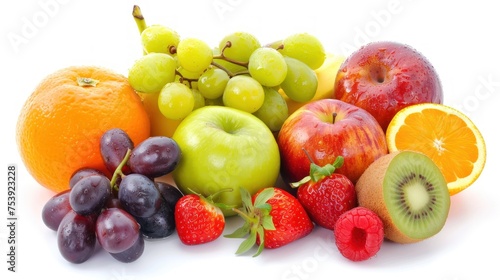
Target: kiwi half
<point>409,193</point>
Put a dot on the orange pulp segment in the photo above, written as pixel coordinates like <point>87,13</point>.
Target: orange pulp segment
<point>444,134</point>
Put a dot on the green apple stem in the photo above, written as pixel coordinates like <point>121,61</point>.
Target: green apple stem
<point>139,18</point>
<point>218,204</point>
<point>118,170</point>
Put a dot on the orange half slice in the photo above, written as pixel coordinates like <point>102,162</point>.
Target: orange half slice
<point>444,134</point>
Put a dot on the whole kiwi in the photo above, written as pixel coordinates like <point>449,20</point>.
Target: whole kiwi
<point>409,193</point>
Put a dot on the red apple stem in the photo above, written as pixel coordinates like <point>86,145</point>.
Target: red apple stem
<point>334,116</point>
<point>308,155</point>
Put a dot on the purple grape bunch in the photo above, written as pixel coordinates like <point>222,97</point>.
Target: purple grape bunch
<point>119,212</point>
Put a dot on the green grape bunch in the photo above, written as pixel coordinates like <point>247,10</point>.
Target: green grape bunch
<point>239,72</point>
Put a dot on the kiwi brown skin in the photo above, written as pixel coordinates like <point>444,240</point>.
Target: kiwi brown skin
<point>369,189</point>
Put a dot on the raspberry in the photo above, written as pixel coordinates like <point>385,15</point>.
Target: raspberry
<point>359,234</point>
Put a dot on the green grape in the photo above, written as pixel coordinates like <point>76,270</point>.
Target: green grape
<point>175,101</point>
<point>194,55</point>
<point>212,83</point>
<point>274,110</point>
<point>243,93</point>
<point>304,47</point>
<point>151,72</point>
<point>267,66</point>
<point>301,81</point>
<point>214,102</point>
<point>159,39</point>
<point>199,100</point>
<point>242,45</point>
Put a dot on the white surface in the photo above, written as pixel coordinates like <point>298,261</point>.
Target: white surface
<point>460,40</point>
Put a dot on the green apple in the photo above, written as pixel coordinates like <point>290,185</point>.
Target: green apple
<point>225,148</point>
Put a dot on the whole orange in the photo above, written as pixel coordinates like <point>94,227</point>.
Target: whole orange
<point>61,123</point>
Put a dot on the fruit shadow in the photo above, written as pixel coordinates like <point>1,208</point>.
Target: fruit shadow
<point>393,254</point>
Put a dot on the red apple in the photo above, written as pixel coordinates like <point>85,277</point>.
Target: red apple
<point>385,77</point>
<point>326,129</point>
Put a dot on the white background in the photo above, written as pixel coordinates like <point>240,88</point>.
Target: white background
<point>460,40</point>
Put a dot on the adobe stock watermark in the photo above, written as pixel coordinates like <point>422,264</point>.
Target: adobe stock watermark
<point>222,7</point>
<point>30,26</point>
<point>452,278</point>
<point>487,87</point>
<point>122,275</point>
<point>324,249</point>
<point>379,19</point>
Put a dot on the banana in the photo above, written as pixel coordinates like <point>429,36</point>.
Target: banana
<point>326,81</point>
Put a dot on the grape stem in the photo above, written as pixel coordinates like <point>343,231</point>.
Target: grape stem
<point>182,78</point>
<point>118,170</point>
<point>229,73</point>
<point>277,45</point>
<point>221,56</point>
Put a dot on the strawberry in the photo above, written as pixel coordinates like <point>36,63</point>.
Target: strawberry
<point>198,219</point>
<point>273,218</point>
<point>326,195</point>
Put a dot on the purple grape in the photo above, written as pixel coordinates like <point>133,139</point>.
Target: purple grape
<point>139,196</point>
<point>160,225</point>
<point>76,237</point>
<point>90,194</point>
<point>81,173</point>
<point>55,209</point>
<point>155,156</point>
<point>113,202</point>
<point>116,230</point>
<point>113,146</point>
<point>131,254</point>
<point>169,193</point>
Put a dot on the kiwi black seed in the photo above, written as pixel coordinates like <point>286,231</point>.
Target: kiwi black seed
<point>409,193</point>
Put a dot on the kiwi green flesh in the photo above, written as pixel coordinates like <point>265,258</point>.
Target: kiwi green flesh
<point>416,195</point>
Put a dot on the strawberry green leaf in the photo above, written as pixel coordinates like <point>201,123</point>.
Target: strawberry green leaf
<point>240,232</point>
<point>263,197</point>
<point>267,222</point>
<point>301,182</point>
<point>257,220</point>
<point>247,244</point>
<point>260,234</point>
<point>246,199</point>
<point>316,172</point>
<point>224,206</point>
<point>265,208</point>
